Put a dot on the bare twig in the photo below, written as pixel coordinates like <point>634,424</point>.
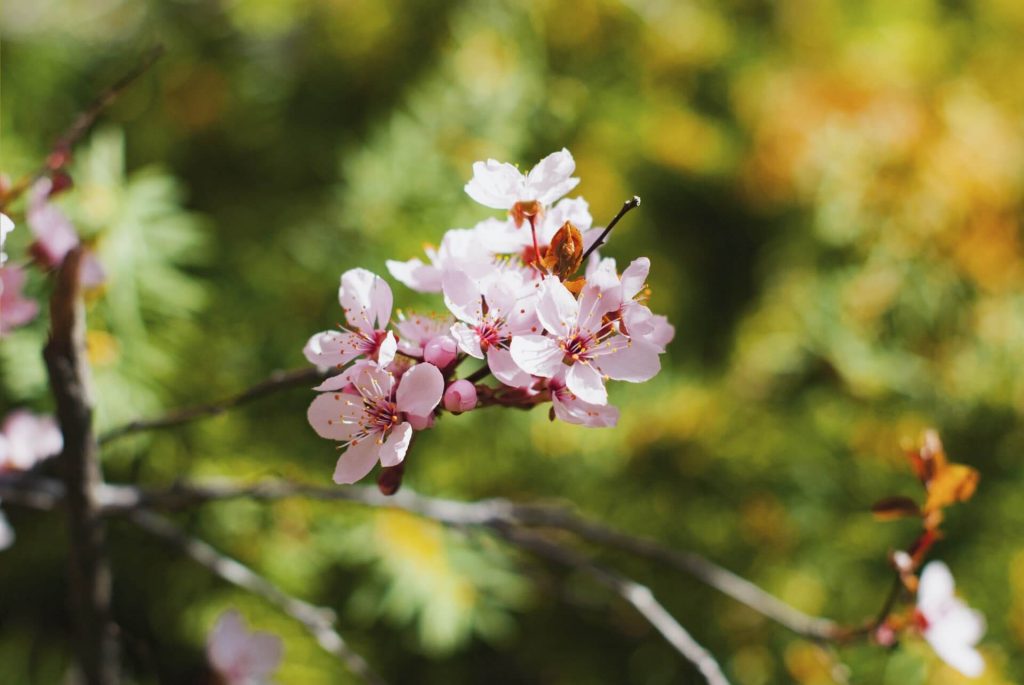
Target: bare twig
<point>640,596</point>
<point>66,364</point>
<point>626,207</point>
<point>319,621</point>
<point>279,380</point>
<point>60,153</point>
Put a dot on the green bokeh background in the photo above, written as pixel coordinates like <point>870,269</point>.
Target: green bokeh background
<point>832,197</point>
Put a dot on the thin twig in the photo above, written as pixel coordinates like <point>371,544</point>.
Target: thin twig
<point>90,586</point>
<point>626,207</point>
<point>60,153</point>
<point>639,596</point>
<point>279,380</point>
<point>319,621</point>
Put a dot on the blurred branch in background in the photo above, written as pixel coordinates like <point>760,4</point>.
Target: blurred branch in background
<point>319,621</point>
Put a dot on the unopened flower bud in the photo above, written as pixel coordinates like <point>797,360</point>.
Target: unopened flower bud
<point>460,396</point>
<point>565,254</point>
<point>440,351</point>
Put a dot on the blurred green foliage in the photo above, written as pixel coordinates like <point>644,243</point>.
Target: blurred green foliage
<point>832,204</point>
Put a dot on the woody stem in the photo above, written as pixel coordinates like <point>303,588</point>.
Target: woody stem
<point>626,207</point>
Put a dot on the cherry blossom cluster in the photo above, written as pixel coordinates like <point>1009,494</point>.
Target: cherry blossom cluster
<point>514,301</point>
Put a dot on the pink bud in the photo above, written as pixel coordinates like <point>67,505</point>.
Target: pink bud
<point>440,351</point>
<point>460,396</point>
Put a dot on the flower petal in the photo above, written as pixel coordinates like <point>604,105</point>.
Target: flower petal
<point>392,452</point>
<point>571,409</point>
<point>420,389</point>
<point>550,178</point>
<point>537,354</point>
<point>634,277</point>
<point>462,296</point>
<point>357,461</point>
<point>335,416</point>
<point>495,184</point>
<point>935,588</point>
<point>557,308</point>
<point>415,274</point>
<point>586,382</point>
<point>506,370</point>
<point>366,299</point>
<point>468,340</point>
<point>628,360</point>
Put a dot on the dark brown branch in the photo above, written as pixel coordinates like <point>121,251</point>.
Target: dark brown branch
<point>68,370</point>
<point>279,380</point>
<point>626,207</point>
<point>639,596</point>
<point>319,621</point>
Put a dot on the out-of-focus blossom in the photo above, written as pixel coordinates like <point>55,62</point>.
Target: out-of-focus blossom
<point>366,300</point>
<point>947,623</point>
<point>15,309</point>
<point>240,656</point>
<point>6,226</point>
<point>500,185</point>
<point>6,532</point>
<point>372,416</point>
<point>26,439</point>
<point>460,396</point>
<point>53,231</point>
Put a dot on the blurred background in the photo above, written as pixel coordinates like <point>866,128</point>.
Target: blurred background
<point>832,197</point>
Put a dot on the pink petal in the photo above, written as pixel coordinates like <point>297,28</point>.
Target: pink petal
<point>586,382</point>
<point>15,309</point>
<point>634,277</point>
<point>574,410</point>
<point>264,652</point>
<point>594,303</point>
<point>420,390</point>
<point>374,383</point>
<point>628,360</point>
<point>462,297</point>
<point>392,452</point>
<point>366,299</point>
<point>468,340</point>
<point>357,461</point>
<point>226,641</point>
<point>506,370</point>
<point>388,348</point>
<point>31,438</point>
<point>537,354</point>
<point>332,348</point>
<point>335,416</point>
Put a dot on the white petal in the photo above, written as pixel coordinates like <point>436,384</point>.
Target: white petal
<point>506,370</point>
<point>557,308</point>
<point>468,340</point>
<point>537,354</point>
<point>628,360</point>
<point>388,348</point>
<point>415,274</point>
<point>935,588</point>
<point>550,178</point>
<point>462,296</point>
<point>335,415</point>
<point>586,382</point>
<point>495,184</point>
<point>634,277</point>
<point>366,299</point>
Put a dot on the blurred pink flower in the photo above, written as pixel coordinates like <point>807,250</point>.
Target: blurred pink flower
<point>947,623</point>
<point>571,409</point>
<point>239,656</point>
<point>26,439</point>
<point>54,233</point>
<point>15,309</point>
<point>376,415</point>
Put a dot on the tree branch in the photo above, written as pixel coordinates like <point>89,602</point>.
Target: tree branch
<point>98,652</point>
<point>279,380</point>
<point>319,621</point>
<point>628,205</point>
<point>639,596</point>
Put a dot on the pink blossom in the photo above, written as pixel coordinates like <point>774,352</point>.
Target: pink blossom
<point>239,656</point>
<point>375,417</point>
<point>6,226</point>
<point>26,439</point>
<point>418,332</point>
<point>501,185</point>
<point>947,623</point>
<point>571,409</point>
<point>54,233</point>
<point>15,309</point>
<point>489,319</point>
<point>441,351</point>
<point>460,396</point>
<point>366,300</point>
<point>579,337</point>
<point>636,319</point>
